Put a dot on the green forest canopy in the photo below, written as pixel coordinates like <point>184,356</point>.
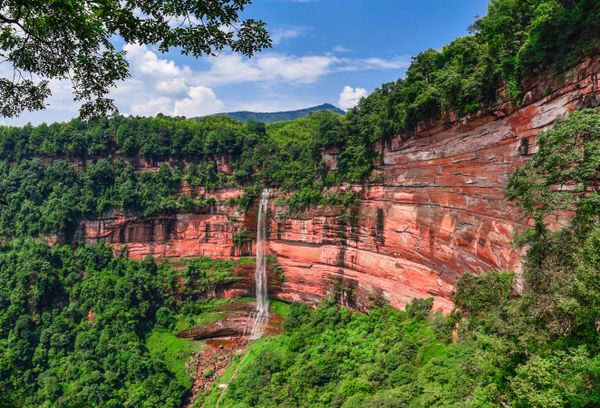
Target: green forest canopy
<point>79,327</point>
<point>74,324</point>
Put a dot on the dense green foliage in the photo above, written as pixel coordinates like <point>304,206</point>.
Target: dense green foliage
<point>562,266</point>
<point>330,357</point>
<point>54,176</point>
<point>566,170</point>
<point>73,325</point>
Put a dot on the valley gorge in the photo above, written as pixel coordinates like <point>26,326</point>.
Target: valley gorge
<point>438,211</point>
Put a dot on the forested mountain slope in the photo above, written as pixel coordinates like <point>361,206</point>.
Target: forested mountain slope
<point>270,117</point>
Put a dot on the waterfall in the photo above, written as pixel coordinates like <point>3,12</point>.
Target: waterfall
<point>262,302</point>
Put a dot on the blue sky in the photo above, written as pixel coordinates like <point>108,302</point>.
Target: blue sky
<point>324,51</point>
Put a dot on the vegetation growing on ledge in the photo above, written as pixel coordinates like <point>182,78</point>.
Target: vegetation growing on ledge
<point>330,357</point>
<point>562,267</point>
<point>53,176</point>
<point>515,39</point>
<point>565,172</point>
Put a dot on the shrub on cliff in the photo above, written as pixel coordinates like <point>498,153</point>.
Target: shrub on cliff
<point>478,294</point>
<point>564,172</point>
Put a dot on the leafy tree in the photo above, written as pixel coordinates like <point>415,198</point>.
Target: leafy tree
<point>72,40</point>
<point>559,380</point>
<point>565,171</point>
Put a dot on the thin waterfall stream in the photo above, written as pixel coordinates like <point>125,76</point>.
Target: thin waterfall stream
<point>261,317</point>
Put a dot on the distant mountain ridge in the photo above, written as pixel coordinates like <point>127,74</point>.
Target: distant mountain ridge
<point>270,117</point>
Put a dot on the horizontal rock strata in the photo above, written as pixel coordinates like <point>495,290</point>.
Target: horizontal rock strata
<point>439,212</point>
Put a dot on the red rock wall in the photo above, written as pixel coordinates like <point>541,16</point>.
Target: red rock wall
<point>439,212</point>
<point>205,232</point>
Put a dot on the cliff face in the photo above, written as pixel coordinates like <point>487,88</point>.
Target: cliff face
<point>209,231</point>
<point>440,211</point>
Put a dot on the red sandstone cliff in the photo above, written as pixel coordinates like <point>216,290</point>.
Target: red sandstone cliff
<point>439,212</point>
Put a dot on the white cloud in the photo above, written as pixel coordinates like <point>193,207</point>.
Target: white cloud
<point>305,69</point>
<point>175,85</point>
<point>228,69</point>
<point>349,97</point>
<point>232,68</point>
<point>279,35</point>
<point>148,63</point>
<point>341,49</point>
<point>159,84</point>
<point>380,63</point>
<point>364,64</point>
<point>200,101</point>
<point>152,106</point>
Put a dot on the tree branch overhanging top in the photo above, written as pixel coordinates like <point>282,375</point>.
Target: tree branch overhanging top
<point>42,40</point>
